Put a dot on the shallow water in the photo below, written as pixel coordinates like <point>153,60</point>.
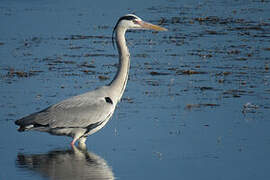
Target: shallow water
<point>196,104</point>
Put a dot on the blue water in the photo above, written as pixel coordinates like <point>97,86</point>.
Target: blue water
<point>197,101</point>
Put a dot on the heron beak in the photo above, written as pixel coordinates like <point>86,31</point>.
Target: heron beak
<point>147,25</point>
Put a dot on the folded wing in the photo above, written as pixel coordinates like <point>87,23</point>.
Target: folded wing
<point>79,111</point>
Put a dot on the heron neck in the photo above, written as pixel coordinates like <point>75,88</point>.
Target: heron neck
<point>119,82</point>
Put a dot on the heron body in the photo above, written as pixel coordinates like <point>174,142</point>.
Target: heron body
<point>85,114</point>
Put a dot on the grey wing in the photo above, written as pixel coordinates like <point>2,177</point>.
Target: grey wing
<point>78,111</point>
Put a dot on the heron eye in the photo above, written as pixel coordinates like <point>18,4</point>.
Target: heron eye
<point>135,21</point>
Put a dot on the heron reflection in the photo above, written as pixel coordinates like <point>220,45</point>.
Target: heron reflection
<point>75,163</point>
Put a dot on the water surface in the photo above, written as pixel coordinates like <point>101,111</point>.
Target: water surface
<point>196,104</point>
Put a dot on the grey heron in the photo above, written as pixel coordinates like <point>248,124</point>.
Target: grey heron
<point>85,114</point>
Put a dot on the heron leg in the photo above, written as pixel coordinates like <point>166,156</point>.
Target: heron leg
<point>81,143</point>
<point>73,142</point>
<point>77,136</point>
<point>82,140</point>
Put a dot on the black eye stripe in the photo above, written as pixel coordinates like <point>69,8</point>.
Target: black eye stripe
<point>127,18</point>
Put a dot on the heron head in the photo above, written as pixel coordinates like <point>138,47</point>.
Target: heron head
<point>131,21</point>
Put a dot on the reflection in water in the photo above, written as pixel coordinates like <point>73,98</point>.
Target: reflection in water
<point>66,164</point>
